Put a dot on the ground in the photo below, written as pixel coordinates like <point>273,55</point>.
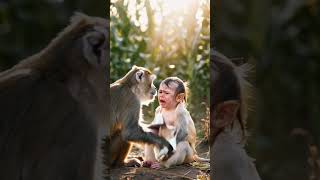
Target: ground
<point>187,171</point>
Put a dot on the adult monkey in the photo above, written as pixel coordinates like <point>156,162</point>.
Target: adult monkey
<point>228,114</point>
<point>52,105</point>
<point>128,94</point>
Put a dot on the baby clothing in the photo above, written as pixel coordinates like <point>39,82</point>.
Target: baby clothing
<point>170,131</point>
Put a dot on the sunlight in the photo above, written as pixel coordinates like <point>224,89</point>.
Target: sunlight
<point>177,5</point>
<point>173,25</point>
<point>174,12</point>
<point>175,9</point>
<point>177,25</point>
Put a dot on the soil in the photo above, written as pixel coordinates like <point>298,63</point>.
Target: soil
<point>186,171</point>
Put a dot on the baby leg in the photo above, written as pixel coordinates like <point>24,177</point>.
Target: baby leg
<point>183,152</point>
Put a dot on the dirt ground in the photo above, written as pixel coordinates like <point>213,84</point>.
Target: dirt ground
<point>187,171</point>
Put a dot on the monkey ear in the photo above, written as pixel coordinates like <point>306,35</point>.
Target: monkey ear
<point>93,43</point>
<point>139,75</point>
<point>153,77</point>
<point>226,113</point>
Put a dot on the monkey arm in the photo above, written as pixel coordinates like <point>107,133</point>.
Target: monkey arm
<point>135,133</point>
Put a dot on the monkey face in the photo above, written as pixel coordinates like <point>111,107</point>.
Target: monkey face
<point>145,90</point>
<point>167,96</point>
<point>150,89</point>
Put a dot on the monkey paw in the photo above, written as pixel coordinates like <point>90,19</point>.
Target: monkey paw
<point>134,162</point>
<point>162,153</point>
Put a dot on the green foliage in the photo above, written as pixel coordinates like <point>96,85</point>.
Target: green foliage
<point>127,43</point>
<point>167,50</point>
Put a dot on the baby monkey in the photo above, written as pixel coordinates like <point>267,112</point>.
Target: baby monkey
<point>173,122</point>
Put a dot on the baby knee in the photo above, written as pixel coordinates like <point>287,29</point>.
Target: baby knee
<point>183,145</point>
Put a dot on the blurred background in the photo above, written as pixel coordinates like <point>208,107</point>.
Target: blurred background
<point>282,40</point>
<point>26,27</point>
<point>169,37</point>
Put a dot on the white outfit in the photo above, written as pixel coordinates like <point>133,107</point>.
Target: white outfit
<point>158,120</point>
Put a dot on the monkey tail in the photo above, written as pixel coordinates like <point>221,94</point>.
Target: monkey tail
<point>200,159</point>
<point>195,154</point>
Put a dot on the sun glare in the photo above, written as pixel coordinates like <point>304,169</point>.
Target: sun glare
<point>175,18</point>
<point>175,26</point>
<point>177,5</point>
<point>175,9</point>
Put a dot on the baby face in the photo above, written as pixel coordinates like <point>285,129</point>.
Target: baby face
<point>167,96</point>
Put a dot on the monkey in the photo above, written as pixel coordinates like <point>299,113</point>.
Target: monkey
<point>173,122</point>
<point>128,94</point>
<point>229,93</point>
<point>183,137</point>
<point>53,104</point>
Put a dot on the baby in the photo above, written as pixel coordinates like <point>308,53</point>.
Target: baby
<point>173,122</point>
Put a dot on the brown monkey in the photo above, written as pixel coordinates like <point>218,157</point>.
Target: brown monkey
<point>52,105</point>
<point>128,94</point>
<point>228,114</point>
<point>173,122</point>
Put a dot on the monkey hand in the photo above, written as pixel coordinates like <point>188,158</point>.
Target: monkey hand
<point>170,148</point>
<point>164,153</point>
<point>167,156</point>
<point>161,153</point>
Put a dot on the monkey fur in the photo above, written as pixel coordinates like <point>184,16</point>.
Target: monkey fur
<point>229,92</point>
<point>128,94</point>
<point>183,138</point>
<point>52,105</point>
